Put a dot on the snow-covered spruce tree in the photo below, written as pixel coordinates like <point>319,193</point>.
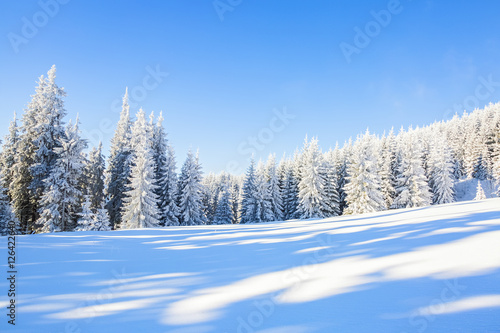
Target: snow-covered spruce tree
<point>250,208</point>
<point>100,221</point>
<point>312,182</point>
<point>210,195</point>
<point>140,204</point>
<point>118,171</point>
<point>235,202</point>
<point>479,192</point>
<point>49,129</point>
<point>288,193</point>
<point>223,212</point>
<point>412,188</point>
<point>86,216</point>
<point>331,204</point>
<point>387,167</point>
<point>442,178</point>
<point>170,213</point>
<point>94,177</point>
<point>59,204</point>
<point>22,192</point>
<point>7,216</point>
<point>165,176</point>
<point>275,195</point>
<point>191,211</point>
<point>291,190</point>
<point>7,156</point>
<point>472,152</point>
<point>363,193</point>
<point>263,194</point>
<point>345,154</point>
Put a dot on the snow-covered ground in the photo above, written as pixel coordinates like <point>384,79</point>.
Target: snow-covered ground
<point>433,269</point>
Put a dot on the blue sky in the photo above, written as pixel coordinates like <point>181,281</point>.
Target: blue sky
<point>228,78</point>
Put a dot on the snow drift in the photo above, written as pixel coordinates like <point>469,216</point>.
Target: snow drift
<point>432,269</point>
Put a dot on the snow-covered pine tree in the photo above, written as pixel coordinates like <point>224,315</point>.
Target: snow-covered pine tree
<point>59,204</point>
<point>235,202</point>
<point>86,216</point>
<point>94,177</point>
<point>412,186</point>
<point>24,202</point>
<point>140,205</point>
<point>263,194</point>
<point>479,192</point>
<point>312,181</point>
<point>101,220</point>
<point>331,204</point>
<point>472,153</point>
<point>442,178</point>
<point>343,178</point>
<point>7,156</point>
<point>165,176</point>
<point>210,195</point>
<point>292,187</point>
<point>170,213</point>
<point>250,208</point>
<point>273,182</point>
<point>387,168</point>
<point>223,212</point>
<point>191,211</point>
<point>49,129</point>
<point>118,171</point>
<point>363,193</point>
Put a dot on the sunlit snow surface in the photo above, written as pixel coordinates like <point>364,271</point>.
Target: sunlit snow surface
<point>433,269</point>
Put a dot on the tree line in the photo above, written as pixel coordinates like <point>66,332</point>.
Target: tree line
<point>48,183</point>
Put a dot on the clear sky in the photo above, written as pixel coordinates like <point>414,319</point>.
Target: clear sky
<point>328,68</point>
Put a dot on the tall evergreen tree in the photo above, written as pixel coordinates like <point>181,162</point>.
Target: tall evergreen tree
<point>118,172</point>
<point>250,208</point>
<point>140,208</point>
<point>388,168</point>
<point>412,186</point>
<point>312,182</point>
<point>165,177</point>
<point>189,192</point>
<point>170,212</point>
<point>331,204</point>
<point>94,177</point>
<point>363,189</point>
<point>60,201</point>
<point>49,129</point>
<point>273,183</point>
<point>8,154</point>
<point>39,134</point>
<point>223,212</point>
<point>442,179</point>
<point>235,202</point>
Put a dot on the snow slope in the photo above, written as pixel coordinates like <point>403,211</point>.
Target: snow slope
<point>433,269</point>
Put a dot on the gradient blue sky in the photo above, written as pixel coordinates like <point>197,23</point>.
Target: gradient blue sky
<point>227,76</point>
